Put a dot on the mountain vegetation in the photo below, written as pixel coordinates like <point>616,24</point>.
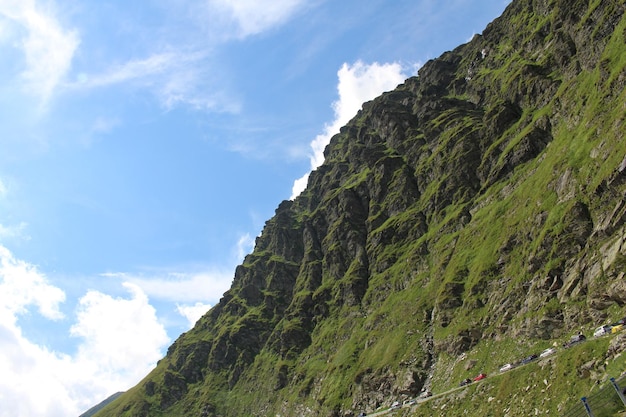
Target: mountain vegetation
<point>471,217</point>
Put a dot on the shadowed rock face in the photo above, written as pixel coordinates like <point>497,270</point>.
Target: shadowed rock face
<point>481,200</point>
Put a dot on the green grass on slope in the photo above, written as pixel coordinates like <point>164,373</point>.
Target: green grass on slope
<point>547,386</point>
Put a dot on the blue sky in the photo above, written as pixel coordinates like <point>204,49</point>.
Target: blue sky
<point>145,144</point>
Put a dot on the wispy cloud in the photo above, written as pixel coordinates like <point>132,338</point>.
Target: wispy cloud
<point>193,293</point>
<point>245,244</point>
<point>100,126</point>
<point>133,70</point>
<point>192,312</point>
<point>47,46</point>
<point>175,78</point>
<point>183,287</point>
<point>14,231</point>
<point>357,84</point>
<point>255,16</point>
<point>104,125</point>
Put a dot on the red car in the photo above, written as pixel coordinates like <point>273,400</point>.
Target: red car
<point>480,376</point>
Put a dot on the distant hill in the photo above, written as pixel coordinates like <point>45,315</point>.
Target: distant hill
<point>470,218</point>
<point>93,410</point>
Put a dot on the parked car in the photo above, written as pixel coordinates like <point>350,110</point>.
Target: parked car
<point>602,330</point>
<point>506,367</point>
<point>362,415</point>
<point>395,405</point>
<point>425,394</point>
<point>617,328</point>
<point>547,352</point>
<point>466,381</point>
<point>577,338</point>
<point>528,359</point>
<point>480,376</point>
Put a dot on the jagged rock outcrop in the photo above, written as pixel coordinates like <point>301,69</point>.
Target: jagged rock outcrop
<point>480,201</point>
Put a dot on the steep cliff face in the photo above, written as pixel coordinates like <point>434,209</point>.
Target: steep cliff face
<point>478,207</point>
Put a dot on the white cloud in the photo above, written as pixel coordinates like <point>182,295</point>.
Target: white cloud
<point>174,78</point>
<point>48,47</point>
<point>357,84</point>
<point>188,287</point>
<point>123,334</point>
<point>17,231</point>
<point>121,339</point>
<point>175,75</point>
<point>22,286</point>
<point>32,382</point>
<point>245,245</point>
<point>255,16</point>
<point>130,71</point>
<point>192,312</point>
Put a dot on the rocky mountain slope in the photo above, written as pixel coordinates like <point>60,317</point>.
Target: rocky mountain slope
<point>471,216</point>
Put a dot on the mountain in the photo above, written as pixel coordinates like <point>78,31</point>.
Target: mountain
<point>93,410</point>
<point>470,217</point>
